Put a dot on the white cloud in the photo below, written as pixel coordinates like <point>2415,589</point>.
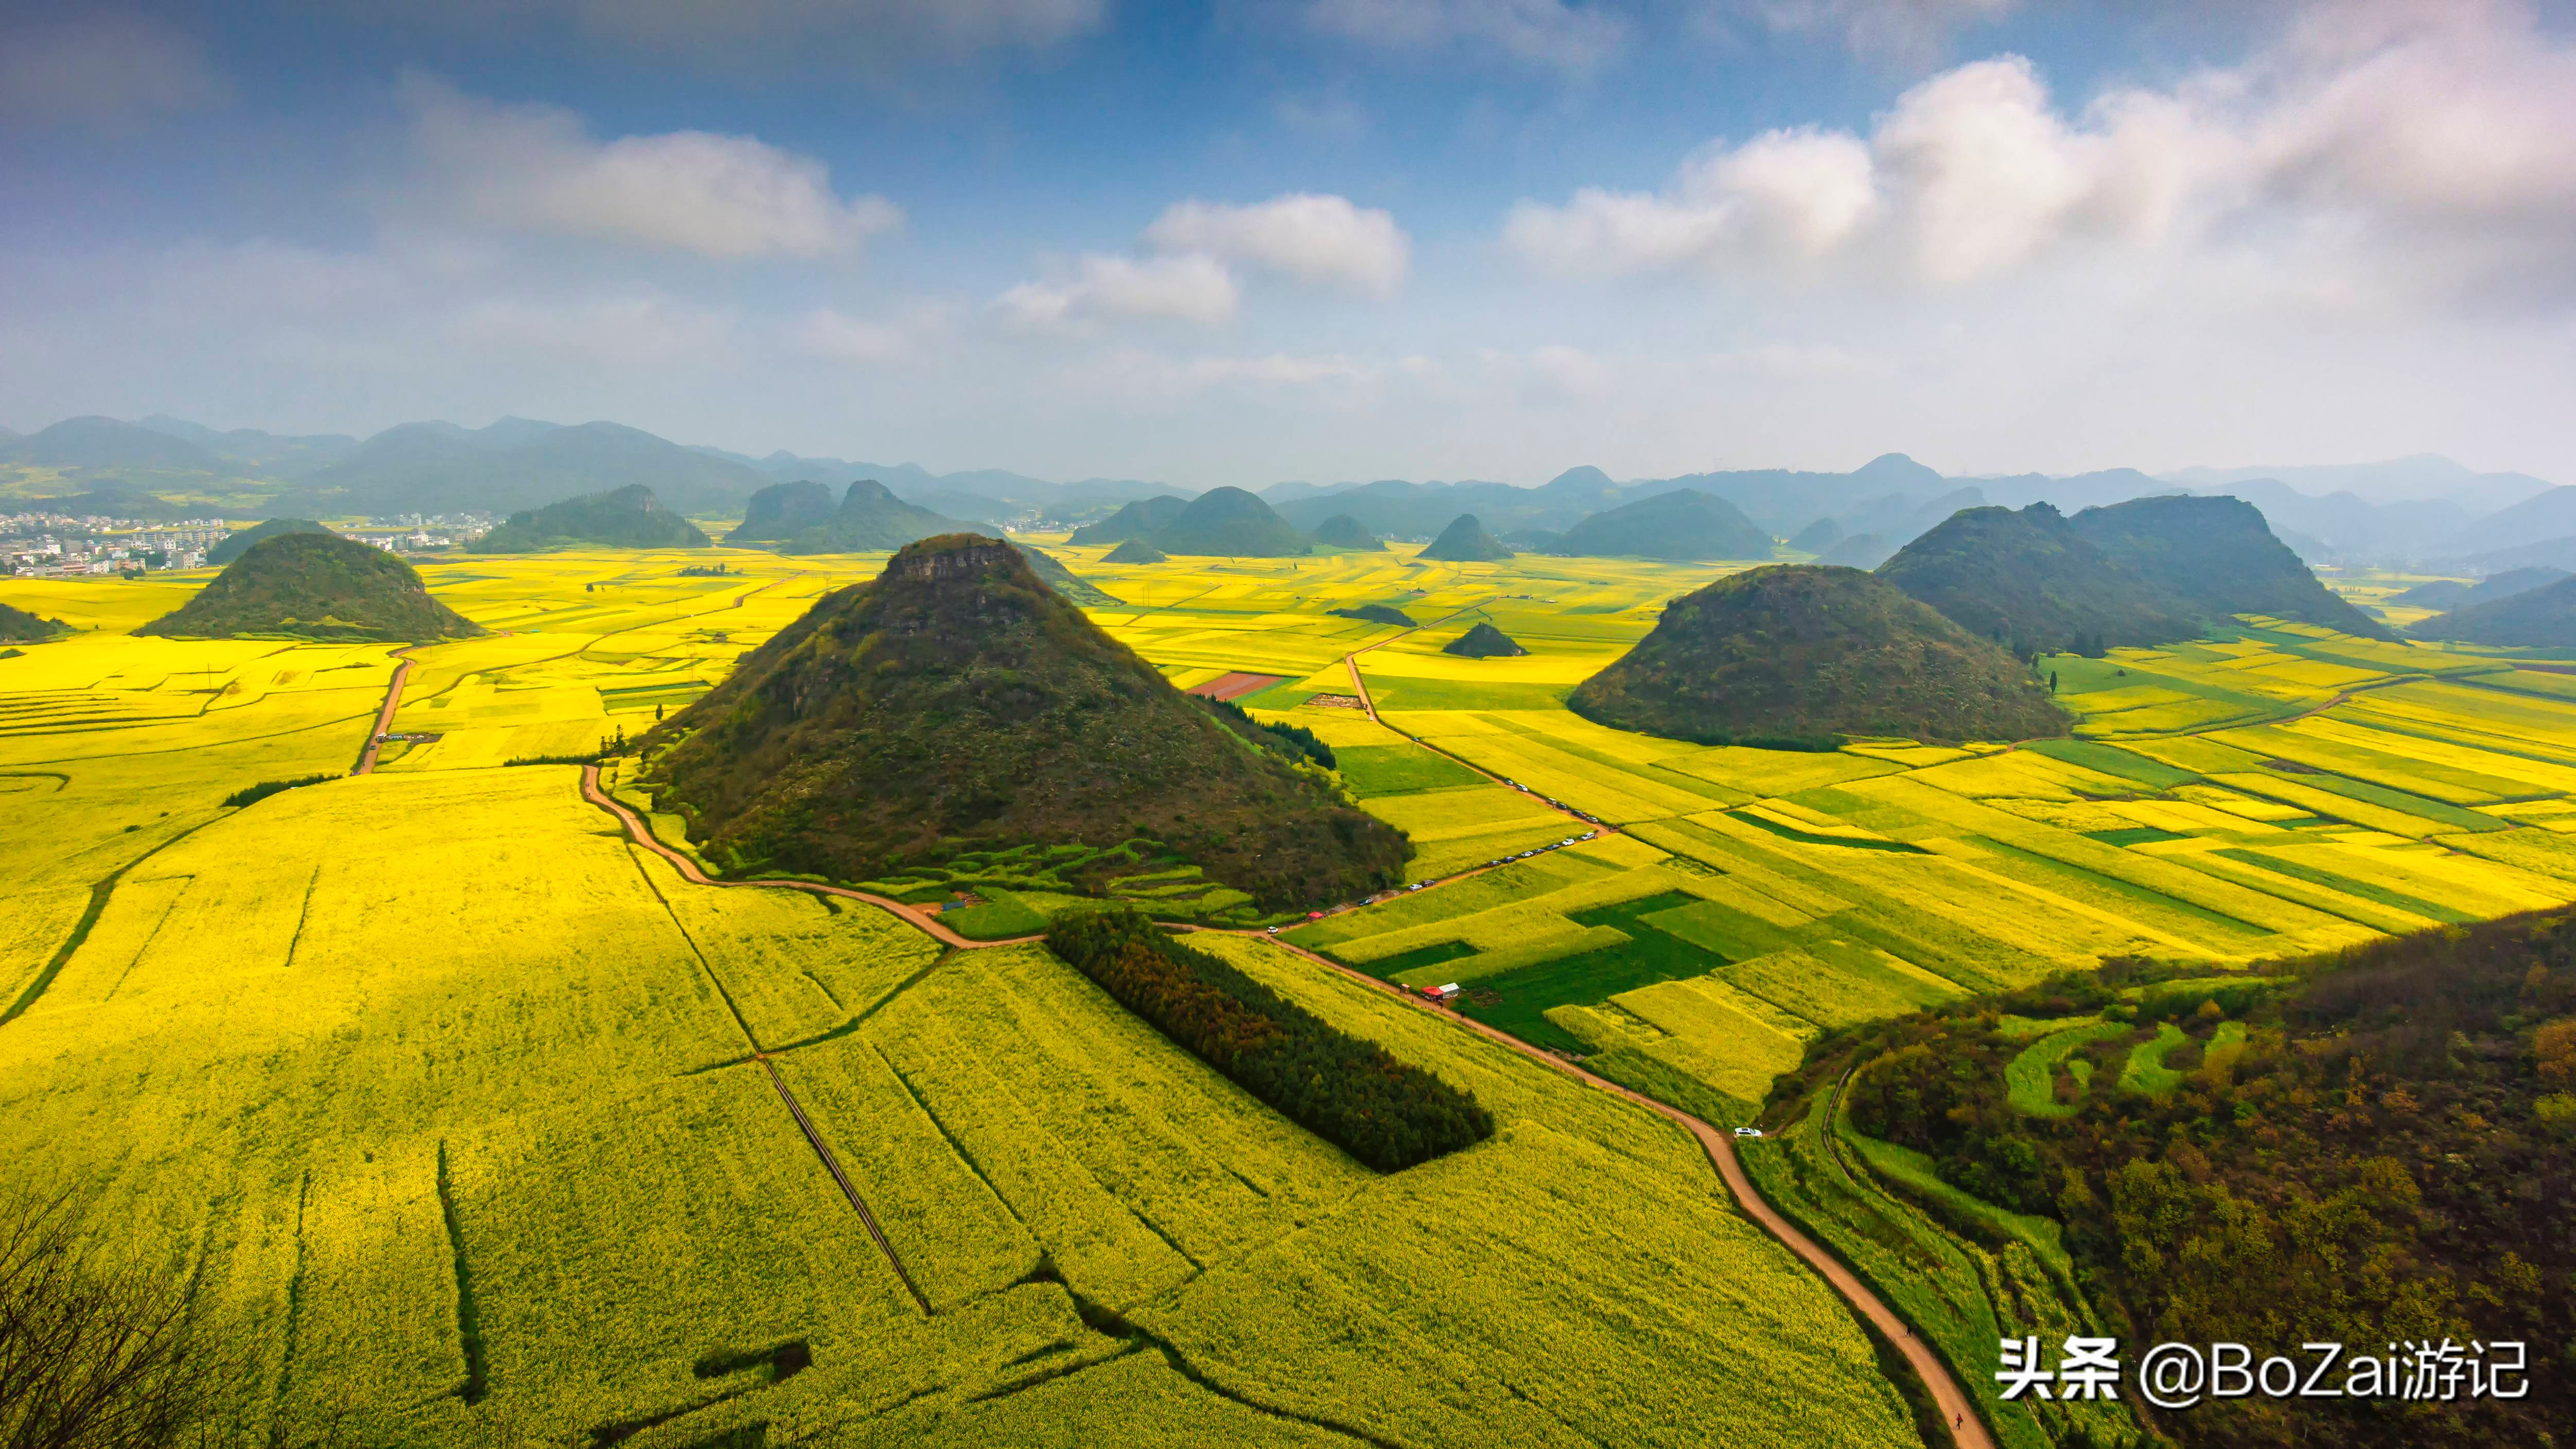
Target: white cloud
<point>1184,288</point>
<point>872,34</point>
<point>1575,39</point>
<point>104,69</point>
<point>1312,238</point>
<point>534,169</point>
<point>1899,30</point>
<point>1554,372</point>
<point>2392,151</point>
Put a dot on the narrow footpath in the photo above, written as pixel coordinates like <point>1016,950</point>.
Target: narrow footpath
<point>1968,1431</point>
<point>385,716</point>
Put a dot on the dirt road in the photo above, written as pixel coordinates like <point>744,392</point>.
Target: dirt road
<point>1369,703</point>
<point>688,869</point>
<point>1969,1431</point>
<point>385,716</point>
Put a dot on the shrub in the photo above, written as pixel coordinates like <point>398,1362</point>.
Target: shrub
<point>1349,1092</point>
<point>253,794</point>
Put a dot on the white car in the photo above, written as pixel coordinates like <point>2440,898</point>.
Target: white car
<point>1748,1131</point>
<point>1274,930</point>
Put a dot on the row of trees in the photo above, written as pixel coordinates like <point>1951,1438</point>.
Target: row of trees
<point>1349,1092</point>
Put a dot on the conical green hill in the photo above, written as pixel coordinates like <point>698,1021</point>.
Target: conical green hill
<point>1465,541</point>
<point>783,510</point>
<point>870,518</point>
<point>956,703</point>
<point>2031,582</point>
<point>1684,524</point>
<point>318,586</point>
<point>1343,531</point>
<point>1483,642</point>
<point>1799,654</point>
<point>1135,551</point>
<point>233,545</point>
<point>1230,523</point>
<point>628,517</point>
<point>1141,518</point>
<point>2221,554</point>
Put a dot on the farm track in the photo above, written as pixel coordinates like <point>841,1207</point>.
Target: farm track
<point>1969,1431</point>
<point>385,716</point>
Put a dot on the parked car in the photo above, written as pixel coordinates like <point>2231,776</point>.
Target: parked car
<point>1748,1131</point>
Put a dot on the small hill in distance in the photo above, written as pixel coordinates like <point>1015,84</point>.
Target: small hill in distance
<point>1230,523</point>
<point>17,626</point>
<point>1862,551</point>
<point>781,511</point>
<point>2219,554</point>
<point>870,519</point>
<point>1343,531</point>
<point>1483,642</point>
<point>2030,582</point>
<point>1377,614</point>
<point>315,586</point>
<point>629,517</point>
<point>2452,594</point>
<point>1802,655</point>
<point>1682,526</point>
<point>2542,618</point>
<point>233,545</point>
<point>1142,518</point>
<point>955,703</point>
<point>1818,536</point>
<point>1464,541</point>
<point>1135,551</point>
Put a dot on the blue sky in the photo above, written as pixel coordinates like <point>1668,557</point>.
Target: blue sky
<point>1313,238</point>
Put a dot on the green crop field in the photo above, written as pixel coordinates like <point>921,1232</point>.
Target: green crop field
<point>449,1098</point>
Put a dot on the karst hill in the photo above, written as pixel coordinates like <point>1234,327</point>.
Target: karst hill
<point>233,545</point>
<point>629,517</point>
<point>2028,580</point>
<point>17,626</point>
<point>1465,541</point>
<point>1799,655</point>
<point>868,519</point>
<point>1683,525</point>
<point>1230,523</point>
<point>2544,617</point>
<point>315,586</point>
<point>957,702</point>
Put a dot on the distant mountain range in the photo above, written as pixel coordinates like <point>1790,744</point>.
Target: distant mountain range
<point>2424,510</point>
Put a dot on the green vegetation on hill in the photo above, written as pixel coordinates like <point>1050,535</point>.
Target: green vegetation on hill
<point>1343,531</point>
<point>1684,525</point>
<point>1344,1089</point>
<point>1377,614</point>
<point>1230,523</point>
<point>2029,581</point>
<point>869,519</point>
<point>233,545</point>
<point>1465,541</point>
<point>2380,1147</point>
<point>2219,554</point>
<point>629,517</point>
<point>20,627</point>
<point>1800,654</point>
<point>2452,594</point>
<point>1064,580</point>
<point>320,586</point>
<point>2535,618</point>
<point>956,703</point>
<point>1859,551</point>
<point>1483,642</point>
<point>1818,536</point>
<point>1135,551</point>
<point>783,510</point>
<point>1142,518</point>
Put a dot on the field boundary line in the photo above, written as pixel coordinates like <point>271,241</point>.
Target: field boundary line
<point>832,1165</point>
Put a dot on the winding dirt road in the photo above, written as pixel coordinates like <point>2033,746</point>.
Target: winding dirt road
<point>1968,1431</point>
